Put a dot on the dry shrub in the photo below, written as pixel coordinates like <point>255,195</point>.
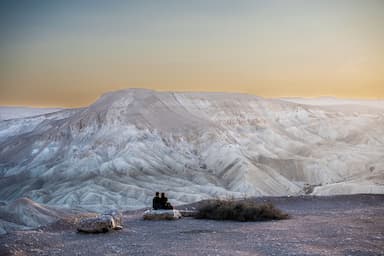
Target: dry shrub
<point>239,211</point>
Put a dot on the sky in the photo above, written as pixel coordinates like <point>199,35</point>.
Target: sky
<point>68,53</point>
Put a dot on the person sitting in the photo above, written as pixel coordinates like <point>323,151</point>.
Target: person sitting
<point>164,204</point>
<point>156,202</point>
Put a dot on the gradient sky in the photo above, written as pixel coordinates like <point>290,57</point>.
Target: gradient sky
<point>67,53</point>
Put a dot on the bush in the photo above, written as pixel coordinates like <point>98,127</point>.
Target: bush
<point>239,210</point>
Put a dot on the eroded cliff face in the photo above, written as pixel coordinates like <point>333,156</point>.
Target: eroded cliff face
<point>193,146</point>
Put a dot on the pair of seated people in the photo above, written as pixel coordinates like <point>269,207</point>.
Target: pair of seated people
<point>161,203</point>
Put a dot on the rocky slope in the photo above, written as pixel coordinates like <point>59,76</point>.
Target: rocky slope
<point>128,144</point>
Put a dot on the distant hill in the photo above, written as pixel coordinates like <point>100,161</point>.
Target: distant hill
<point>7,113</point>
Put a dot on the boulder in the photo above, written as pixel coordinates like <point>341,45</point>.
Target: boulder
<point>161,215</point>
<point>111,220</point>
<point>117,217</point>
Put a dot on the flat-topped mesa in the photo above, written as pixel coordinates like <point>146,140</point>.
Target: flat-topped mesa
<point>170,112</point>
<point>145,109</point>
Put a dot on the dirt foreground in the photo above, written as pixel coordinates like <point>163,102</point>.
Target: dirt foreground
<point>336,225</point>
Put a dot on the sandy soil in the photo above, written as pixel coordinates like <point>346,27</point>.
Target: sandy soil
<point>337,225</point>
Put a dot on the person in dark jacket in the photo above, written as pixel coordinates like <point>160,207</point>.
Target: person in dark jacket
<point>164,204</point>
<point>156,202</point>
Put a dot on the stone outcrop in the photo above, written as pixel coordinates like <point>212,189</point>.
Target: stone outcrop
<point>110,220</point>
<point>162,215</point>
<point>117,217</point>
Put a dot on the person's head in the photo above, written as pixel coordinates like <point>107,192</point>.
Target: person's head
<point>163,194</point>
<point>157,194</point>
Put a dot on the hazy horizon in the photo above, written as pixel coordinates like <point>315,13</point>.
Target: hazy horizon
<point>325,97</point>
<point>68,53</point>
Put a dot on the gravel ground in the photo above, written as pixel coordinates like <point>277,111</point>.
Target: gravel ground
<point>337,225</point>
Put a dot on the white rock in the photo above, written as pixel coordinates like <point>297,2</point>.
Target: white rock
<point>101,224</point>
<point>117,218</point>
<point>161,215</point>
<point>109,220</point>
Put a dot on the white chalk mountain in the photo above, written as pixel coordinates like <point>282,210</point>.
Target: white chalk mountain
<point>128,144</point>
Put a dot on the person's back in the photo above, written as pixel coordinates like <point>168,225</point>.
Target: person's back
<point>163,201</point>
<point>156,202</point>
